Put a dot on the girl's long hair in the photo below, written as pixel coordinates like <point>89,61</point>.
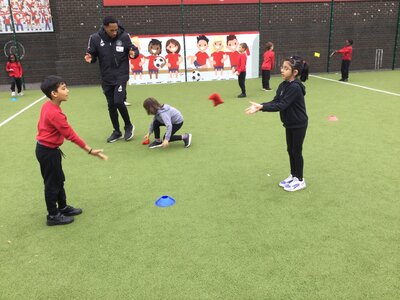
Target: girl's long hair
<point>299,64</point>
<point>151,105</point>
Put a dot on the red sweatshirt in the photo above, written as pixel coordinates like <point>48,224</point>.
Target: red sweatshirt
<point>269,60</point>
<point>53,127</point>
<point>14,69</point>
<point>241,63</point>
<point>346,51</point>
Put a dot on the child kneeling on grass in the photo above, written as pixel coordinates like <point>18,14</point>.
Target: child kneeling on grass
<point>168,116</point>
<point>289,101</point>
<point>52,129</point>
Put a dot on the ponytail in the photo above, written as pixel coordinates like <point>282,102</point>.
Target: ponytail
<point>302,67</point>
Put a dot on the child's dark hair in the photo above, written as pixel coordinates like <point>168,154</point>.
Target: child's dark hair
<point>202,37</point>
<point>244,46</point>
<point>350,41</point>
<point>12,55</point>
<point>51,84</point>
<point>297,63</point>
<point>151,105</point>
<point>268,46</point>
<point>109,20</point>
<point>230,37</point>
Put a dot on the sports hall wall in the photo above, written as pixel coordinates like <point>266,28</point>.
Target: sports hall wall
<point>294,28</point>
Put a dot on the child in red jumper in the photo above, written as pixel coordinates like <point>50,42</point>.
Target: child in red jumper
<point>346,52</point>
<point>241,68</point>
<point>267,65</point>
<point>52,129</point>
<point>14,69</point>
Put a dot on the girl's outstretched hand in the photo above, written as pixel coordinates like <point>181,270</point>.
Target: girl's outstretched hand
<point>253,108</point>
<point>165,143</point>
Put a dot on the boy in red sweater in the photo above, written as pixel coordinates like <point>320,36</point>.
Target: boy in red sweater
<point>52,129</point>
<point>346,52</point>
<point>14,69</point>
<point>241,68</point>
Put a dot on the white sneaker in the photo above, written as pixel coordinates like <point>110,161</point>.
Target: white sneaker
<point>295,185</point>
<point>286,181</point>
<point>127,103</point>
<point>13,94</point>
<point>21,94</point>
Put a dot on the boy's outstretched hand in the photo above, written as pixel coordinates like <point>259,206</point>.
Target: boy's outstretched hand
<point>253,108</point>
<point>99,153</point>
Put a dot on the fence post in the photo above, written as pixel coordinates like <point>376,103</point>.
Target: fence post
<point>17,54</point>
<point>396,37</point>
<point>330,36</point>
<point>184,37</point>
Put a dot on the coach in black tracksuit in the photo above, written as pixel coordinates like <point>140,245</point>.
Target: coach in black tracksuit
<point>113,47</point>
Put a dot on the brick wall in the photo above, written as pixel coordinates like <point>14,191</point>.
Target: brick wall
<point>294,28</point>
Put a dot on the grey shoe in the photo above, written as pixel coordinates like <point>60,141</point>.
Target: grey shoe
<point>129,132</point>
<point>115,136</point>
<point>155,144</point>
<point>188,140</point>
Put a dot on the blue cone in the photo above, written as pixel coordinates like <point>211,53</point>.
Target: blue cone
<point>13,99</point>
<point>165,201</point>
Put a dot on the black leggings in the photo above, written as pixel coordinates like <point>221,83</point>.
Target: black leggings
<point>175,128</point>
<point>241,80</point>
<point>345,69</point>
<point>266,75</point>
<point>294,140</point>
<point>18,82</point>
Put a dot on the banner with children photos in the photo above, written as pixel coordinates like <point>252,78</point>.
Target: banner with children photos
<point>28,16</point>
<point>208,56</point>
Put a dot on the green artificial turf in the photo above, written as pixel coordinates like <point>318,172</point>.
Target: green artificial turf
<point>233,232</point>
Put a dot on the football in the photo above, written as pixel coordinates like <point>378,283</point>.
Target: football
<point>196,76</point>
<point>159,62</point>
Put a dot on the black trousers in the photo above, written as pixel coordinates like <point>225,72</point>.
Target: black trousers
<point>345,69</point>
<point>175,128</point>
<point>266,76</point>
<point>53,177</point>
<point>116,95</point>
<point>18,82</point>
<point>294,140</point>
<point>241,80</point>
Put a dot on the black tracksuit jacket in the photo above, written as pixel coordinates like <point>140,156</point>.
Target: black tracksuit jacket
<point>289,101</point>
<point>113,55</point>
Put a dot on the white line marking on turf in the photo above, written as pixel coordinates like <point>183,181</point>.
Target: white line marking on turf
<point>356,85</point>
<point>21,111</point>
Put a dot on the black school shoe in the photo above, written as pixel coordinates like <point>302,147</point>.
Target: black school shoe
<point>70,211</point>
<point>242,95</point>
<point>58,219</point>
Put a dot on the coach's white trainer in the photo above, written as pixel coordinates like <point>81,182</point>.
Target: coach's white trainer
<point>295,185</point>
<point>286,181</point>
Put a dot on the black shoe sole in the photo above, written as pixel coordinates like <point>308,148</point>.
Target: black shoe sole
<point>112,141</point>
<point>50,223</point>
<point>71,214</point>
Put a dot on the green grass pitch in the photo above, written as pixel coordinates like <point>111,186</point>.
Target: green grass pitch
<point>233,233</point>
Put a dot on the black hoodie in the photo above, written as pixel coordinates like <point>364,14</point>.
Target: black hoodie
<point>289,101</point>
<point>113,55</point>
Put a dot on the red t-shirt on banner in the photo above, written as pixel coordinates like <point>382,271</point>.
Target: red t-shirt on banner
<point>218,56</point>
<point>201,58</point>
<point>135,63</point>
<point>173,59</point>
<point>233,57</point>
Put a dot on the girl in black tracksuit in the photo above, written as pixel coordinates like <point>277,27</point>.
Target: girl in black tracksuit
<point>289,101</point>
